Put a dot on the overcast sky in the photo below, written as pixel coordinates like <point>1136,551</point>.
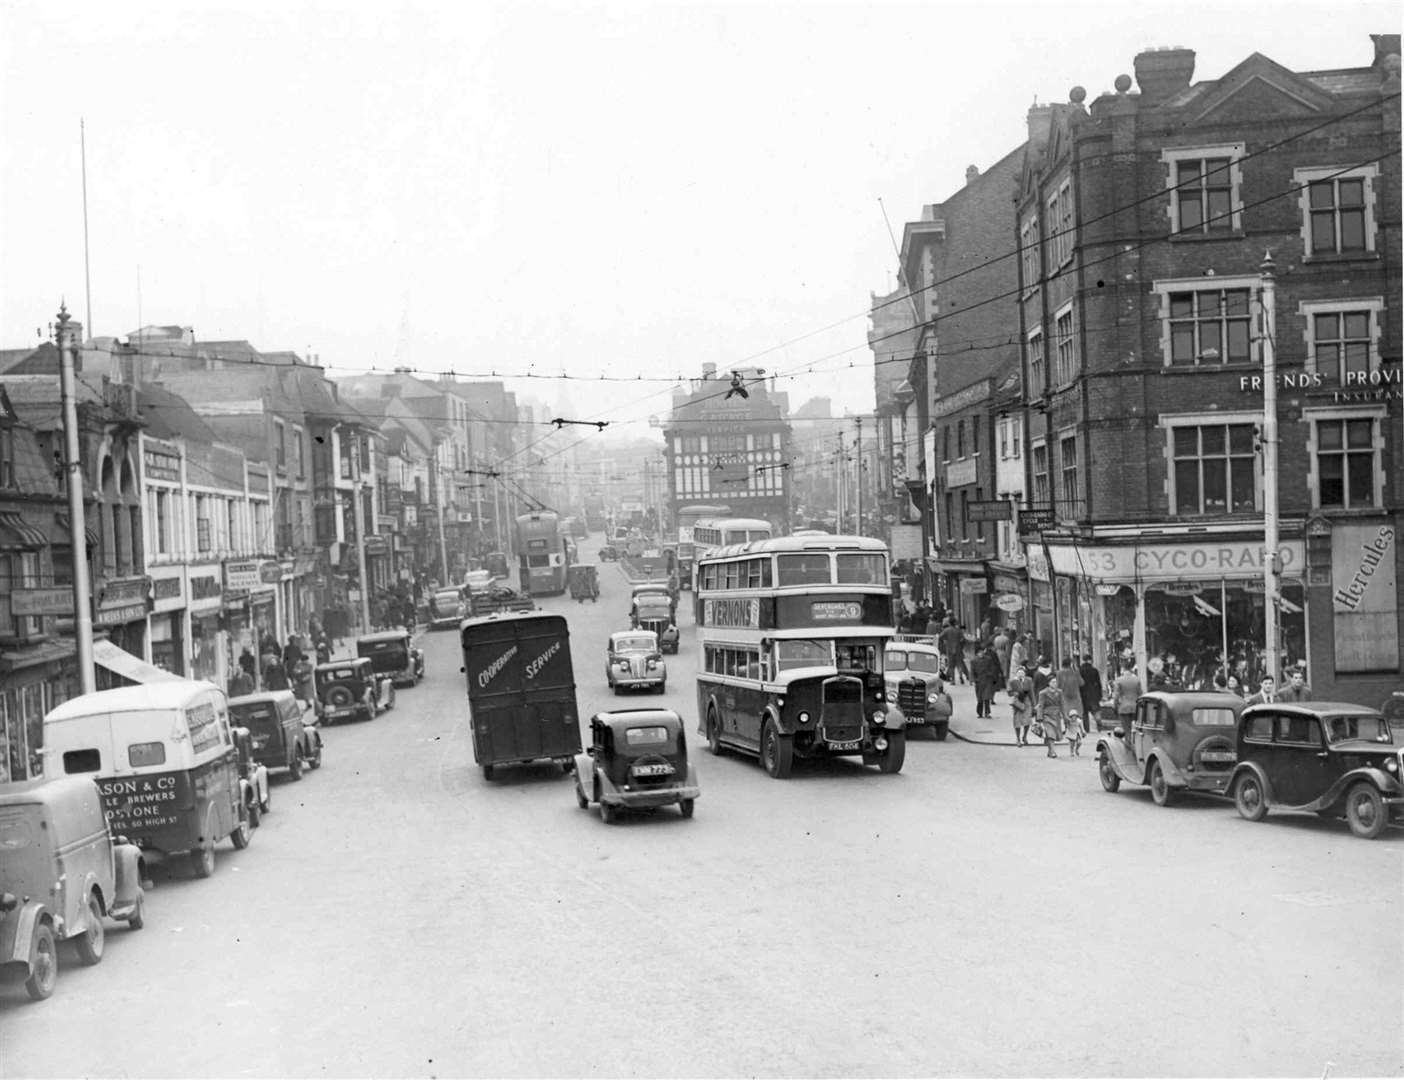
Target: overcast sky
<point>626,189</point>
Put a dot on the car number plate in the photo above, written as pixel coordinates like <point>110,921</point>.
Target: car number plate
<point>1218,755</point>
<point>652,770</point>
<point>851,744</point>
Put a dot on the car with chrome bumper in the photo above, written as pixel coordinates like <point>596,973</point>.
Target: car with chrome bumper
<point>1175,742</point>
<point>633,661</point>
<point>637,759</point>
<point>912,672</point>
<point>1333,759</point>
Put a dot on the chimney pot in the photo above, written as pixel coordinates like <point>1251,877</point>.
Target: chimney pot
<point>971,174</point>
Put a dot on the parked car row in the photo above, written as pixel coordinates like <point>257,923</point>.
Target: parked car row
<point>1329,758</point>
<point>133,776</point>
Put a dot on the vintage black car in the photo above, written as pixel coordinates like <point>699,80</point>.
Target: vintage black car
<point>1330,758</point>
<point>609,553</point>
<point>282,739</point>
<point>348,688</point>
<point>1175,742</point>
<point>447,608</point>
<point>652,611</point>
<point>497,598</point>
<point>637,758</point>
<point>393,653</point>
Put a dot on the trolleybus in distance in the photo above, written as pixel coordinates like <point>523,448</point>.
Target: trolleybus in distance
<point>791,634</point>
<point>708,534</point>
<point>688,517</point>
<point>541,548</point>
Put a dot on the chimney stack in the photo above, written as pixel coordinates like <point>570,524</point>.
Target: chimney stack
<point>971,174</point>
<point>1040,125</point>
<point>1163,73</point>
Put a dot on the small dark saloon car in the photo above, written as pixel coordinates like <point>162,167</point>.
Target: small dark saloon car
<point>637,758</point>
<point>280,738</point>
<point>393,653</point>
<point>1330,758</point>
<point>347,688</point>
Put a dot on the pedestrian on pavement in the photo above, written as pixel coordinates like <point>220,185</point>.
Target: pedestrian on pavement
<point>242,683</point>
<point>1050,716</point>
<point>1018,652</point>
<point>1091,689</point>
<point>1001,644</point>
<point>1042,675</point>
<point>324,652</point>
<point>247,663</point>
<point>933,627</point>
<point>985,634</point>
<point>1225,682</point>
<point>955,650</point>
<point>302,680</point>
<point>1126,690</point>
<point>292,652</point>
<point>275,676</point>
<point>1069,684</point>
<point>1021,697</point>
<point>1267,692</point>
<point>1296,688</point>
<point>985,673</point>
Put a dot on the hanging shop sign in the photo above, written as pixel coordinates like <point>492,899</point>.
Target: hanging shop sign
<point>270,573</point>
<point>1009,602</point>
<point>241,576</point>
<point>1364,598</point>
<point>1180,588</point>
<point>974,585</point>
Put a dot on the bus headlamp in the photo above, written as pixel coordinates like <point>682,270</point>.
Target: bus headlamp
<point>879,717</point>
<point>803,717</point>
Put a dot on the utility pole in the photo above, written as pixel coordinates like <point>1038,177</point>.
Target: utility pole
<point>838,485</point>
<point>77,519</point>
<point>1272,570</point>
<point>359,511</point>
<point>858,475</point>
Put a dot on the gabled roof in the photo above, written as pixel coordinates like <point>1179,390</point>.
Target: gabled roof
<point>1257,87</point>
<point>10,358</point>
<point>33,475</point>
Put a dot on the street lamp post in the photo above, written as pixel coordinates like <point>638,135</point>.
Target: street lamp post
<point>1272,569</point>
<point>77,519</point>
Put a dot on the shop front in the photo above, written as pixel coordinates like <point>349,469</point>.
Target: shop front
<point>1009,596</point>
<point>205,608</point>
<point>120,611</point>
<point>33,679</point>
<point>167,620</point>
<point>966,589</point>
<point>1180,610</point>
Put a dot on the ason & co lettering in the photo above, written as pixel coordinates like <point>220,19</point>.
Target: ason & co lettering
<point>540,662</point>
<point>490,672</point>
<point>1372,554</point>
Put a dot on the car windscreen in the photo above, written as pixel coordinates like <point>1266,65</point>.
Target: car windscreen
<point>654,609</point>
<point>636,643</point>
<point>1368,728</point>
<point>924,663</point>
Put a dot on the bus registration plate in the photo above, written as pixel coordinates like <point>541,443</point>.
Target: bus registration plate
<point>850,744</point>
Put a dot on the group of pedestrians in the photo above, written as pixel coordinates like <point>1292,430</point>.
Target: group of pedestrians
<point>282,667</point>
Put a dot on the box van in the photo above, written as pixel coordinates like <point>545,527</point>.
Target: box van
<point>521,691</point>
<point>164,760</point>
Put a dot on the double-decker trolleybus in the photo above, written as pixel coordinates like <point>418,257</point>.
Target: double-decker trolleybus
<point>541,551</point>
<point>688,517</point>
<point>791,632</point>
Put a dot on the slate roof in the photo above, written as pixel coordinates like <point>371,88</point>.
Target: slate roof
<point>33,475</point>
<point>170,416</point>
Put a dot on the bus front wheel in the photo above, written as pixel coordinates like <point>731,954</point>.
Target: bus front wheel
<point>777,752</point>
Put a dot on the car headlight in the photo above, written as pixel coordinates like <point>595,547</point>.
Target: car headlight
<point>1392,765</point>
<point>879,696</point>
<point>879,717</point>
<point>931,699</point>
<point>803,717</point>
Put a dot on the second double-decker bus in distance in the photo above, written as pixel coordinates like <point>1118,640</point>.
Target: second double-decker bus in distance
<point>688,517</point>
<point>708,534</point>
<point>791,634</point>
<point>541,553</point>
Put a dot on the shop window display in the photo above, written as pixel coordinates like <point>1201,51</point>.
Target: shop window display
<point>1185,633</point>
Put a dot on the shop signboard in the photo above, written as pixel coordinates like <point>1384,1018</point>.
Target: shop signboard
<point>1231,560</point>
<point>1363,597</point>
<point>1009,602</point>
<point>44,601</point>
<point>242,576</point>
<point>270,573</point>
<point>114,616</point>
<point>972,586</point>
<point>989,510</point>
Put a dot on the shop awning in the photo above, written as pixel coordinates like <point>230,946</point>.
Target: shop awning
<point>120,662</point>
<point>67,530</point>
<point>44,653</point>
<point>16,534</point>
